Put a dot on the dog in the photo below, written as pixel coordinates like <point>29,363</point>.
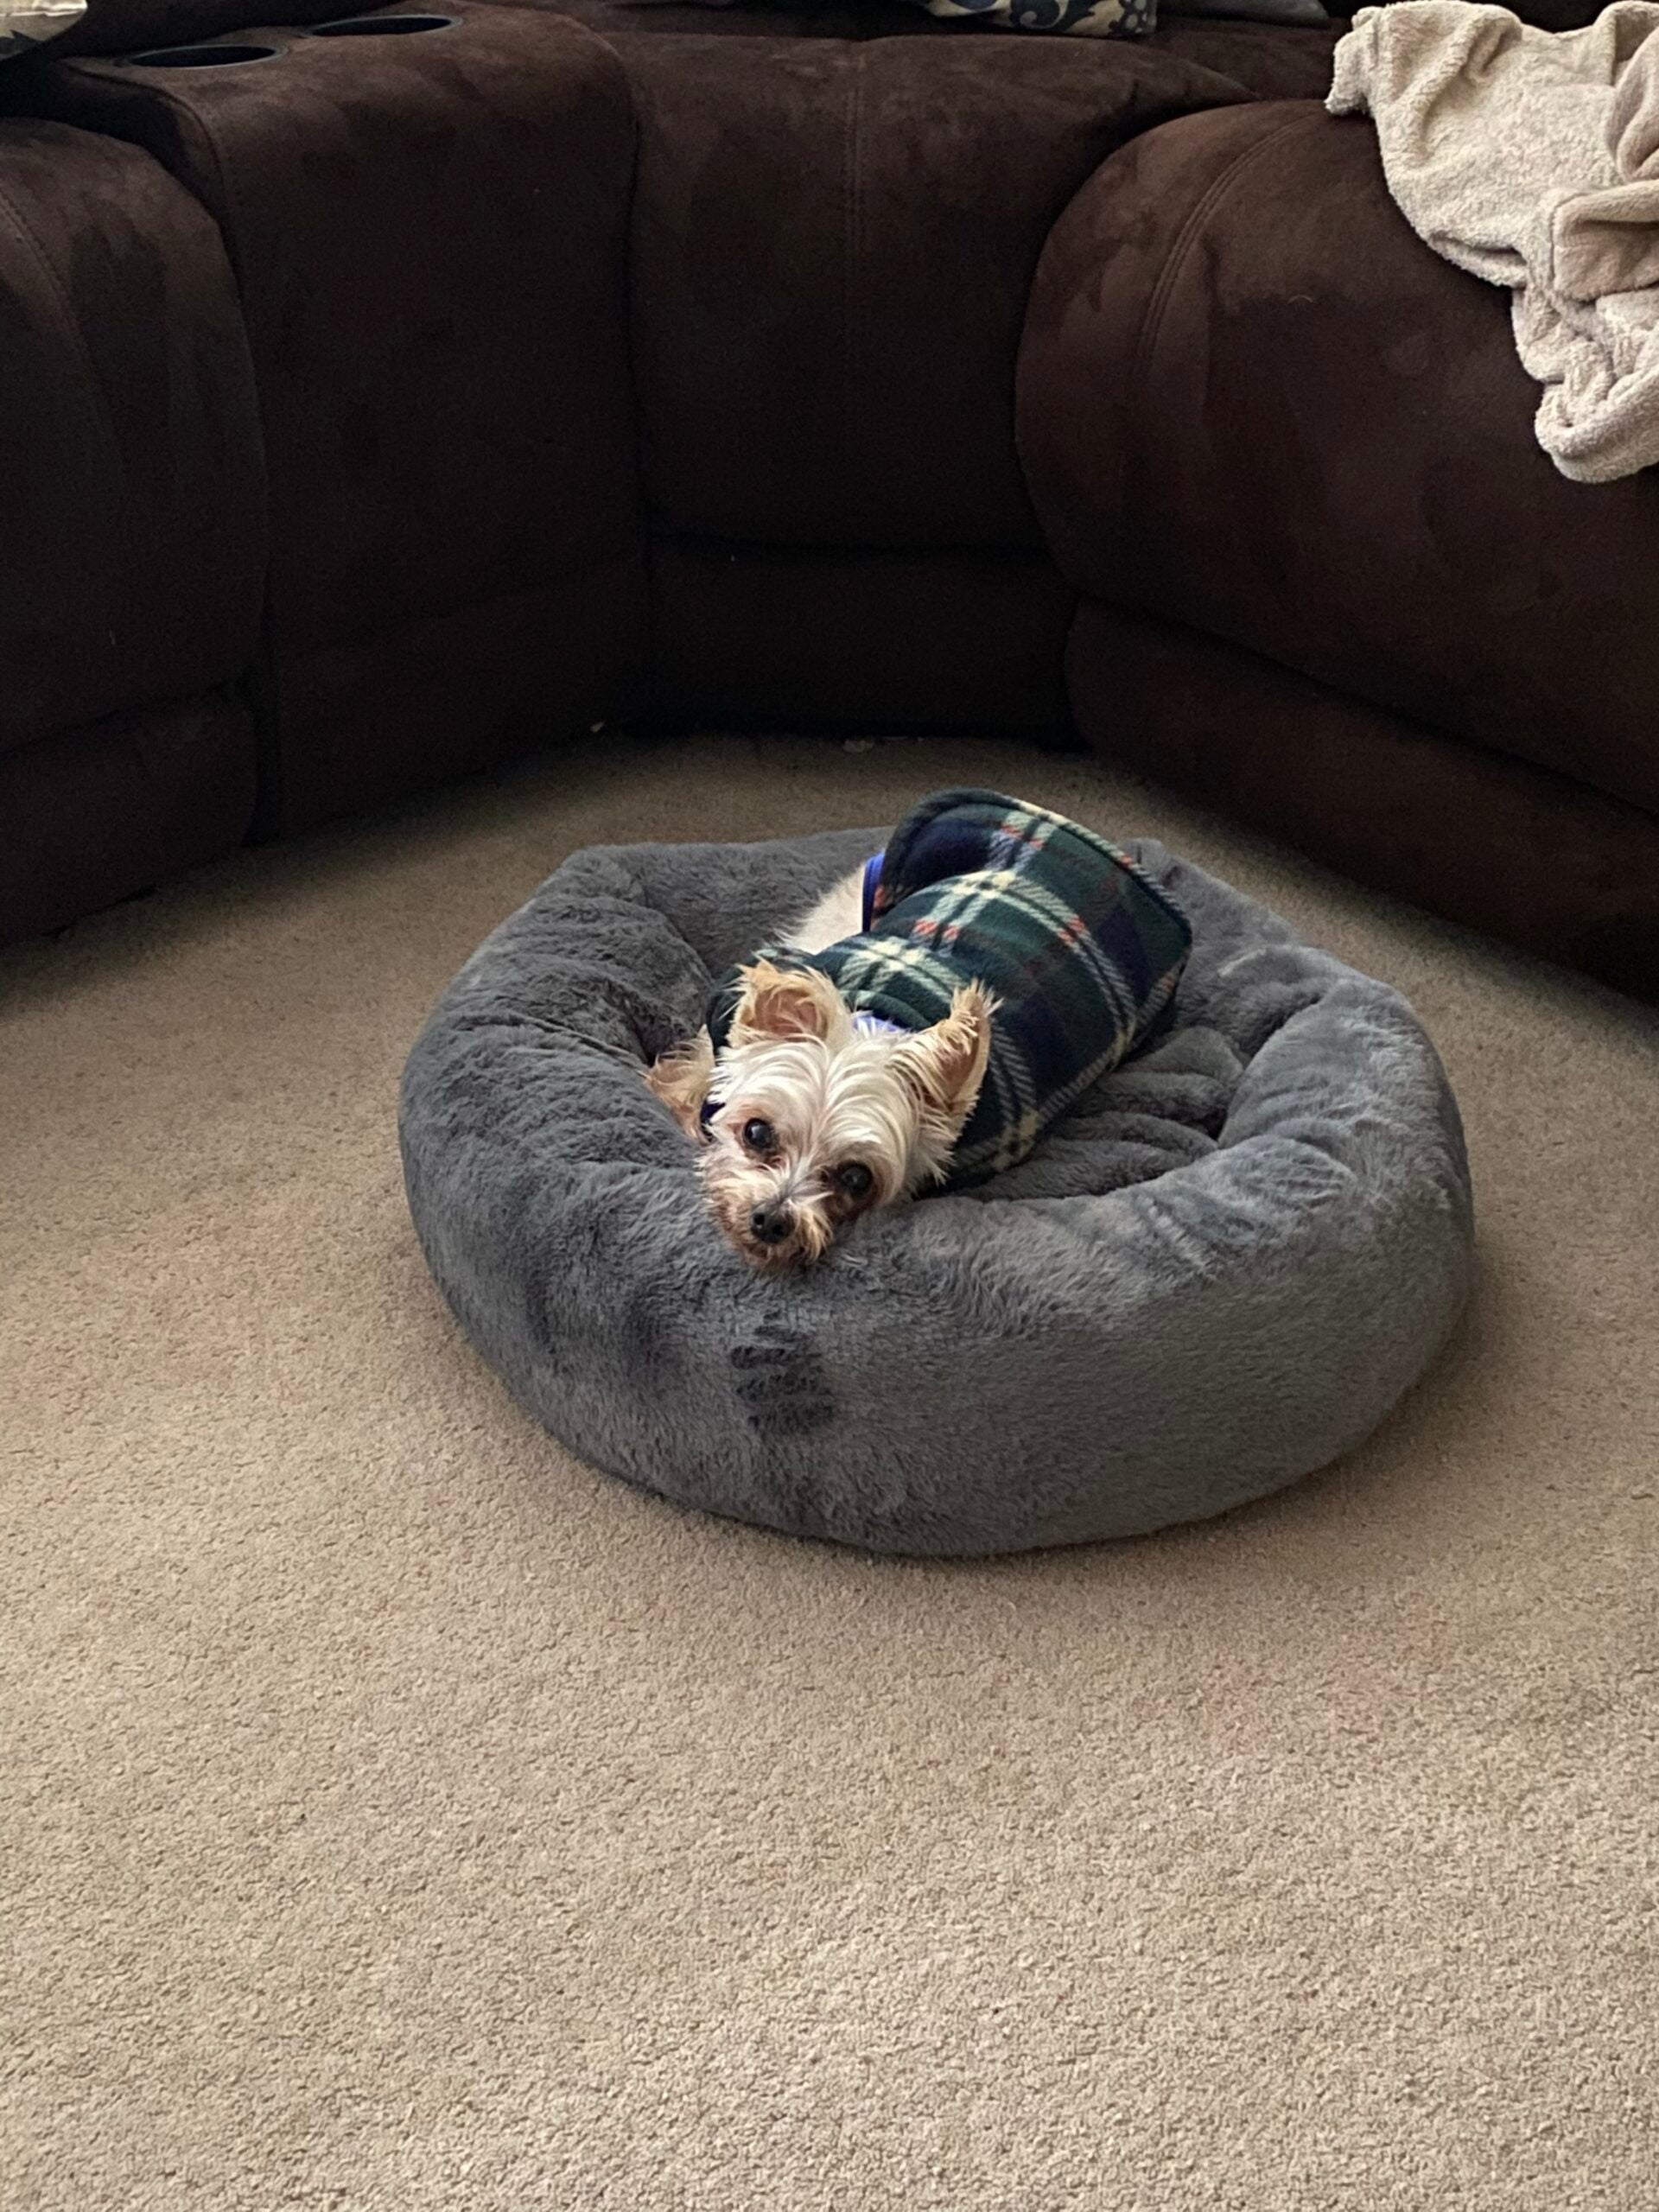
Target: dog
<point>811,1114</point>
<point>923,1024</point>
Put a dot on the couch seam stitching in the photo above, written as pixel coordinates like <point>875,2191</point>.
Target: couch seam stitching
<point>1153,321</point>
<point>851,142</point>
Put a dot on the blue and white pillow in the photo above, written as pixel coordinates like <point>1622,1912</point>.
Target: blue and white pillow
<point>1119,18</point>
<point>25,24</point>
<point>1098,18</point>
<point>1085,18</point>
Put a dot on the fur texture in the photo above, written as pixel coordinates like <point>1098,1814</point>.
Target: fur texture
<point>1220,1272</point>
<point>805,1121</point>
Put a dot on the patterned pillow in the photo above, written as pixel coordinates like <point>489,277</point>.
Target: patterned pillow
<point>1093,18</point>
<point>1086,18</point>
<point>24,23</point>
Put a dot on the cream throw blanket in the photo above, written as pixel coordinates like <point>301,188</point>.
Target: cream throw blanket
<point>1532,159</point>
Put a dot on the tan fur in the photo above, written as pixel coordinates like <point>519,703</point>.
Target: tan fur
<point>787,1002</point>
<point>947,1062</point>
<point>681,1079</point>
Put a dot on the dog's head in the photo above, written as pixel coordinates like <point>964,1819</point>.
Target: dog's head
<point>808,1119</point>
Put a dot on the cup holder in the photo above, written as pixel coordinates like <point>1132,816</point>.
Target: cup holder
<point>381,26</point>
<point>201,57</point>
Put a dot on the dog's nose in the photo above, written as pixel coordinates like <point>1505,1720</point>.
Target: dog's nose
<point>769,1224</point>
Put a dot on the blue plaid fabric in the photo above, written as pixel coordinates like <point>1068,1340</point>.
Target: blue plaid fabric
<point>1081,948</point>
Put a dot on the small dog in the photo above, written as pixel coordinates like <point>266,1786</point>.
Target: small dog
<point>810,1115</point>
<point>928,1021</point>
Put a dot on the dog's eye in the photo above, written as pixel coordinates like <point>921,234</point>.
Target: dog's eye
<point>854,1179</point>
<point>759,1136</point>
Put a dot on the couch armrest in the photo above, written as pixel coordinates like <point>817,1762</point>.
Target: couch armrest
<point>1252,401</point>
<point>429,236</point>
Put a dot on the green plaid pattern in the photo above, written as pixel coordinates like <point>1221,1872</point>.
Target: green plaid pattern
<point>1081,948</point>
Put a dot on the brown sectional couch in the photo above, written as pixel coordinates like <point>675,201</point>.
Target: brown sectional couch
<point>131,529</point>
<point>1285,455</point>
<point>832,245</point>
<point>587,359</point>
<point>442,378</point>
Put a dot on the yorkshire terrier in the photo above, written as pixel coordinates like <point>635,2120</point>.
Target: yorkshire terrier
<point>926,1023</point>
<point>811,1114</point>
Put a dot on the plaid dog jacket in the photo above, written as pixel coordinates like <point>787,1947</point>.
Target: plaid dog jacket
<point>1082,950</point>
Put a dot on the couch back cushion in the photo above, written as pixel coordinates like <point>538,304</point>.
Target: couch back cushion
<point>832,246</point>
<point>1090,18</point>
<point>129,26</point>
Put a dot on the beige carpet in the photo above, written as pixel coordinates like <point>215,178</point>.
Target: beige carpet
<point>395,1814</point>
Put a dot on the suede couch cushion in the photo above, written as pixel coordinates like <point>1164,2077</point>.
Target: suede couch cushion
<point>832,246</point>
<point>1302,12</point>
<point>91,814</point>
<point>429,233</point>
<point>1479,835</point>
<point>1271,61</point>
<point>132,530</point>
<point>1252,402</point>
<point>1219,1273</point>
<point>801,637</point>
<point>1266,60</point>
<point>132,493</point>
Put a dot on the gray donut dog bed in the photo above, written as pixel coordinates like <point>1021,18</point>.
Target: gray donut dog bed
<point>1220,1272</point>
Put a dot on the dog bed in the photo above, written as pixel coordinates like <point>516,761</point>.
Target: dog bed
<point>1219,1273</point>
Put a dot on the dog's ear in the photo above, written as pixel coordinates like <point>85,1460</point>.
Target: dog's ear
<point>681,1079</point>
<point>777,1003</point>
<point>947,1062</point>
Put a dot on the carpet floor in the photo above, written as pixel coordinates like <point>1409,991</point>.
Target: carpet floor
<point>396,1814</point>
